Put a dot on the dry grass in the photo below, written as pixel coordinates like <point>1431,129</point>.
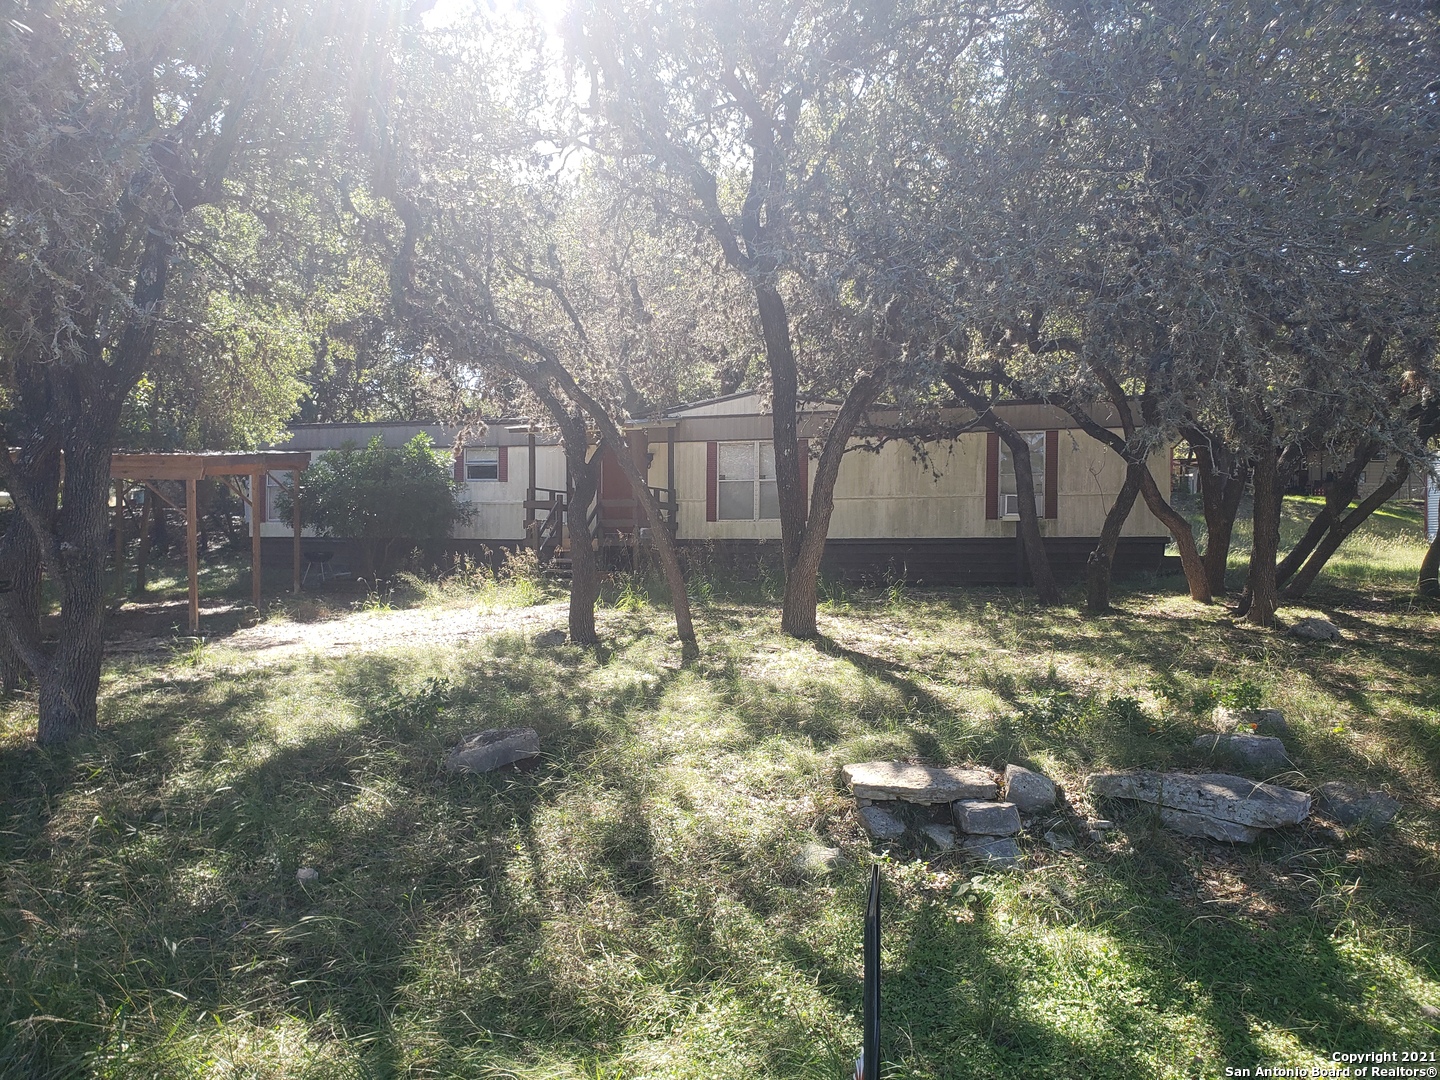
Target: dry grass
<point>630,908</point>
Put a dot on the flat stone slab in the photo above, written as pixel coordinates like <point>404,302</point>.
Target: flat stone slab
<point>1350,805</point>
<point>489,750</point>
<point>979,816</point>
<point>1031,792</point>
<point>942,836</point>
<point>991,849</point>
<point>1313,629</point>
<point>881,824</point>
<point>924,784</point>
<point>1254,751</point>
<point>1058,841</point>
<point>1188,824</point>
<point>1214,795</point>
<point>1259,721</point>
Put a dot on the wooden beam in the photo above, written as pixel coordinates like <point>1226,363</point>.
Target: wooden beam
<point>157,493</point>
<point>159,466</point>
<point>191,527</point>
<point>156,466</point>
<point>255,478</point>
<point>295,527</point>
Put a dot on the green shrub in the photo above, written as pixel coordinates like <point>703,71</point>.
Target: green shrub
<point>379,497</point>
<point>1241,694</point>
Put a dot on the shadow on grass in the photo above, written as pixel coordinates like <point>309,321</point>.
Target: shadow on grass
<point>470,923</point>
<point>182,886</point>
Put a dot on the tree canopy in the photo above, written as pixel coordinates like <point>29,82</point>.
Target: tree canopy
<point>1216,219</point>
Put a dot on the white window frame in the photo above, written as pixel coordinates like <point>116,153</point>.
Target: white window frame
<point>274,487</point>
<point>755,482</point>
<point>1010,500</point>
<point>478,458</point>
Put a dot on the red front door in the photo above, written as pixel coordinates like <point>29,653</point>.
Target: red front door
<point>617,495</point>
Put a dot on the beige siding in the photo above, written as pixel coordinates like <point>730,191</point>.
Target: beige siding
<point>499,507</point>
<point>500,513</point>
<point>890,494</point>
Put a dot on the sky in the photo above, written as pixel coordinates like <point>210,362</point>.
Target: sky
<point>446,11</point>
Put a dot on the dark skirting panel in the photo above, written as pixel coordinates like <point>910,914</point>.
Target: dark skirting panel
<point>979,560</point>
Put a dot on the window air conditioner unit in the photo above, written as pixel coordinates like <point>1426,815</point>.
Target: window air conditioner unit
<point>1009,507</point>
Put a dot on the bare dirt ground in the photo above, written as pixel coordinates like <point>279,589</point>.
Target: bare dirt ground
<point>283,639</point>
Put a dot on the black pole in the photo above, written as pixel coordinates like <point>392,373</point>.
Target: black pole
<point>870,1057</point>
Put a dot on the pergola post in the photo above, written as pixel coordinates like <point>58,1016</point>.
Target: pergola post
<point>257,480</point>
<point>191,527</point>
<point>295,525</point>
<point>227,467</point>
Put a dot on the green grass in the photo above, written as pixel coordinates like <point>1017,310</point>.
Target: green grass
<point>630,909</point>
<point>1384,552</point>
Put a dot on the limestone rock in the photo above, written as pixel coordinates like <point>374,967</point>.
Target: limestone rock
<point>816,860</point>
<point>1058,841</point>
<point>942,836</point>
<point>917,783</point>
<point>979,816</point>
<point>1188,824</point>
<point>991,849</point>
<point>1260,721</point>
<point>1313,629</point>
<point>1253,751</point>
<point>489,750</point>
<point>1031,792</point>
<point>1215,795</point>
<point>307,875</point>
<point>881,824</point>
<point>1350,805</point>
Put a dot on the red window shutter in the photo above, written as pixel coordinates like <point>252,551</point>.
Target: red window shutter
<point>1052,473</point>
<point>712,481</point>
<point>992,476</point>
<point>258,498</point>
<point>459,464</point>
<point>503,468</point>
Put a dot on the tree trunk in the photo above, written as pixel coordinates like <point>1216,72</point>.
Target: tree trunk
<point>1041,575</point>
<point>1195,576</point>
<point>802,572</point>
<point>1341,530</point>
<point>663,540</point>
<point>660,533</point>
<point>1339,493</point>
<point>1428,584</point>
<point>1102,559</point>
<point>1260,585</point>
<point>584,561</point>
<point>1046,591</point>
<point>71,680</point>
<point>785,428</point>
<point>1222,484</point>
<point>20,563</point>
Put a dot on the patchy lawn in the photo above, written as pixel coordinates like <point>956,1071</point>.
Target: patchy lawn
<point>630,908</point>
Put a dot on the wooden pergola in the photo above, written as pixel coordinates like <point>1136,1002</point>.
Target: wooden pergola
<point>228,468</point>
